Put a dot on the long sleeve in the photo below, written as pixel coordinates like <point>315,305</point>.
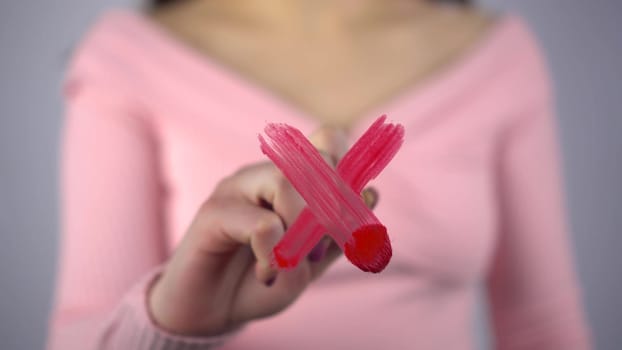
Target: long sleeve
<point>112,236</point>
<point>534,298</point>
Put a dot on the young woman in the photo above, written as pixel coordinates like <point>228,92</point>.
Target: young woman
<point>171,211</point>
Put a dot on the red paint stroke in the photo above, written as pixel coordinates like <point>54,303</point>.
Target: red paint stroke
<point>362,163</point>
<point>337,207</point>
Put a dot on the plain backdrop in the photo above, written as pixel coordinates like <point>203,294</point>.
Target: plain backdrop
<point>583,40</point>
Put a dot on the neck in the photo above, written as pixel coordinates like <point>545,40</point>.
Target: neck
<point>310,15</point>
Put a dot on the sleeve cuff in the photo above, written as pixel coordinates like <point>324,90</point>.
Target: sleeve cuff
<point>131,326</point>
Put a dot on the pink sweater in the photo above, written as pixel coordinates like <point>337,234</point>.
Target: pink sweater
<point>473,197</point>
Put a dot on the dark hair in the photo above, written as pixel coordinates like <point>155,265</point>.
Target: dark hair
<point>159,3</point>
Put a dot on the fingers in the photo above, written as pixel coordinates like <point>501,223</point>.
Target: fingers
<point>331,141</point>
<point>263,239</point>
<point>370,197</point>
<point>255,206</point>
<point>223,225</point>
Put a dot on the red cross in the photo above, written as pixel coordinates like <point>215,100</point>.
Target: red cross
<point>333,203</point>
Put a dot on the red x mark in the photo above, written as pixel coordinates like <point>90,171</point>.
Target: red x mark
<point>333,203</point>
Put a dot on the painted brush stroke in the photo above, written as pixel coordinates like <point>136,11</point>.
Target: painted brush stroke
<point>333,204</point>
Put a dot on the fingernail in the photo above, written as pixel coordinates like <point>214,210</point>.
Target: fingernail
<point>318,252</point>
<point>270,281</point>
<point>370,196</point>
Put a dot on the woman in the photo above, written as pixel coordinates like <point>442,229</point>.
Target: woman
<point>171,211</point>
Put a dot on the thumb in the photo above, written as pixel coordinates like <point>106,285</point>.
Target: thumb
<point>331,141</point>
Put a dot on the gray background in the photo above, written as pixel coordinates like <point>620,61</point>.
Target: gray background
<point>582,39</point>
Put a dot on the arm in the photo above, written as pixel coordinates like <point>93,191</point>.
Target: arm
<point>533,292</point>
<point>112,237</point>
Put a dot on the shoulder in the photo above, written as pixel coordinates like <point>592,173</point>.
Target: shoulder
<point>107,51</point>
<point>504,60</point>
<point>98,39</point>
<point>504,52</point>
<point>512,68</point>
<point>508,34</point>
<point>522,57</point>
<point>469,19</point>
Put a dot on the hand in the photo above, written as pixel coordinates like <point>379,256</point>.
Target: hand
<point>220,275</point>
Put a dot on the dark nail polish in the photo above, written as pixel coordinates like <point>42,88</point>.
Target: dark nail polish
<point>270,281</point>
<point>318,252</point>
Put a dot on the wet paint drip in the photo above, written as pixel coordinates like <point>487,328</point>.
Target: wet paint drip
<point>333,203</point>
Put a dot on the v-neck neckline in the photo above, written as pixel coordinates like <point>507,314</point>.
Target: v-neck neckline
<point>268,99</point>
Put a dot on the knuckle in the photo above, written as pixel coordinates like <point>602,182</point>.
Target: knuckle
<point>245,169</point>
<point>207,206</point>
<point>205,213</point>
<point>283,186</point>
<point>224,185</point>
<point>242,170</point>
<point>267,226</point>
<point>231,181</point>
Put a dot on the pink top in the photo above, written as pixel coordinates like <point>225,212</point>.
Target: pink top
<point>474,195</point>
